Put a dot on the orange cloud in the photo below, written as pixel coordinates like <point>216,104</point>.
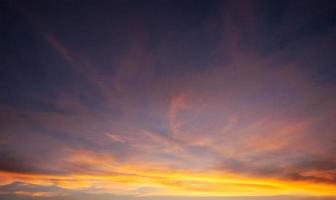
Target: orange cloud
<point>130,178</point>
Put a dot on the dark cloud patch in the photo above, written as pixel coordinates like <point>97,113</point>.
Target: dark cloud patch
<point>316,170</point>
<point>10,163</point>
<point>30,191</point>
<point>17,164</point>
<point>20,165</point>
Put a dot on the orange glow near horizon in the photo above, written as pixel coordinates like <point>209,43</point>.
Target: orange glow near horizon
<point>130,180</point>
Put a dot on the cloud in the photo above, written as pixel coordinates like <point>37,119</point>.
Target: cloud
<point>256,119</point>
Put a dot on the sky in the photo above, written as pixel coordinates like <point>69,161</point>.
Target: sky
<point>167,100</point>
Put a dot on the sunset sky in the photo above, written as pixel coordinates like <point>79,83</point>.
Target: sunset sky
<point>167,100</point>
